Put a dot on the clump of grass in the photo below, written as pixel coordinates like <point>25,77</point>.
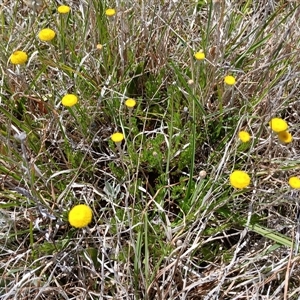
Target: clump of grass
<point>157,216</point>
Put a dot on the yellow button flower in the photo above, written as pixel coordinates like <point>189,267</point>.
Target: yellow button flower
<point>199,55</point>
<point>46,35</point>
<point>18,58</point>
<point>110,12</point>
<point>117,137</point>
<point>294,182</point>
<point>244,136</point>
<point>230,80</point>
<point>69,100</point>
<point>63,9</point>
<point>239,179</point>
<point>130,103</point>
<point>278,125</point>
<point>80,216</point>
<point>285,137</point>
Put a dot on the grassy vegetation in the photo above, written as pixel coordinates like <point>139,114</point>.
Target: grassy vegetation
<point>166,222</point>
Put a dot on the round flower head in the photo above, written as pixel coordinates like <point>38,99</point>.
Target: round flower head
<point>63,9</point>
<point>239,179</point>
<point>110,12</point>
<point>130,103</point>
<point>294,182</point>
<point>244,136</point>
<point>285,137</point>
<point>230,80</point>
<point>117,137</point>
<point>18,58</point>
<point>202,174</point>
<point>80,216</point>
<point>69,100</point>
<point>278,125</point>
<point>46,35</point>
<point>199,55</point>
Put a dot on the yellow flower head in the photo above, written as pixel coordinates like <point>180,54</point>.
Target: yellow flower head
<point>63,9</point>
<point>117,137</point>
<point>46,35</point>
<point>278,125</point>
<point>294,182</point>
<point>110,12</point>
<point>285,137</point>
<point>99,46</point>
<point>80,216</point>
<point>69,100</point>
<point>199,55</point>
<point>239,179</point>
<point>244,136</point>
<point>18,58</point>
<point>230,80</point>
<point>130,103</point>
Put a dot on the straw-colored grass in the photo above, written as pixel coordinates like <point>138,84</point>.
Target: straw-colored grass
<point>166,222</point>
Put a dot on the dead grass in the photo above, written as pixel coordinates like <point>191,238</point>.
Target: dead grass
<point>159,230</point>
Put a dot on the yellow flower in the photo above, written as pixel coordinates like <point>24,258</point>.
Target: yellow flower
<point>285,137</point>
<point>110,12</point>
<point>63,9</point>
<point>294,182</point>
<point>99,46</point>
<point>80,216</point>
<point>18,58</point>
<point>244,136</point>
<point>278,125</point>
<point>46,35</point>
<point>239,179</point>
<point>199,55</point>
<point>117,137</point>
<point>69,100</point>
<point>130,103</point>
<point>230,80</point>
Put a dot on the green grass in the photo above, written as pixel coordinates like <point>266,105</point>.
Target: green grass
<point>166,222</point>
